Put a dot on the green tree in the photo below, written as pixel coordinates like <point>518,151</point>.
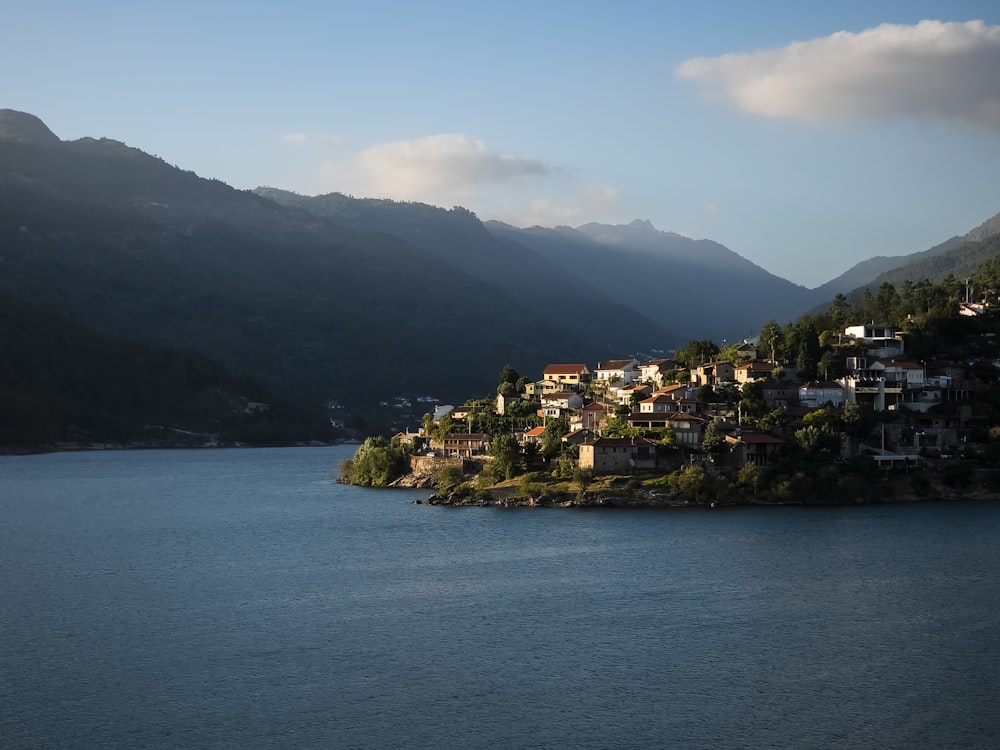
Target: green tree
<point>583,477</point>
<point>376,463</point>
<point>507,383</point>
<point>445,426</point>
<point>713,440</point>
<point>555,428</point>
<point>807,352</point>
<point>697,352</point>
<point>750,476</point>
<point>769,340</point>
<point>704,394</point>
<point>731,353</point>
<point>506,455</point>
<point>840,313</point>
<point>449,476</point>
<point>692,480</point>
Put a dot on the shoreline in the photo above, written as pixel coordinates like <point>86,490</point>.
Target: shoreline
<point>652,500</point>
<point>887,490</point>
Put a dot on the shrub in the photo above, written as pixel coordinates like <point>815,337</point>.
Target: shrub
<point>449,476</point>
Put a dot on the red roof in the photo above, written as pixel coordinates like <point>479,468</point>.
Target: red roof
<point>565,369</point>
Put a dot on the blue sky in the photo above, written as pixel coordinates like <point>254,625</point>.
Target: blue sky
<point>804,137</point>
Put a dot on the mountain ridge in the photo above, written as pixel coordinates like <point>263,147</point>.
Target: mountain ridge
<point>324,297</point>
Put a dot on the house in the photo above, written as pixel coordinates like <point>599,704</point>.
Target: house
<point>752,447</point>
<point>554,405</point>
<point>907,374</point>
<point>654,370</point>
<point>747,351</point>
<point>884,383</point>
<point>881,339</point>
<point>620,372</point>
<point>569,377</point>
<point>540,387</point>
<point>534,435</point>
<point>563,400</point>
<point>779,394</point>
<point>660,403</point>
<point>754,371</point>
<point>713,373</point>
<point>688,429</point>
<point>589,417</point>
<point>678,401</point>
<point>504,401</point>
<point>817,393</point>
<point>617,455</point>
<point>631,393</point>
<point>973,309</point>
<point>576,437</point>
<point>465,444</point>
<point>440,411</point>
<point>461,413</point>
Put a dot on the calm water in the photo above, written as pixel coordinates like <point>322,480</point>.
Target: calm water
<point>239,599</point>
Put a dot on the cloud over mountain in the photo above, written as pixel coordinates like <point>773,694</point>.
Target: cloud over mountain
<point>450,164</point>
<point>931,70</point>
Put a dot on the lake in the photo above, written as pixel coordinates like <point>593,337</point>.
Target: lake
<point>241,599</point>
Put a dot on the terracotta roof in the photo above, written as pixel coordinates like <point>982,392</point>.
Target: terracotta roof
<point>672,388</point>
<point>564,369</point>
<point>661,398</point>
<point>535,432</point>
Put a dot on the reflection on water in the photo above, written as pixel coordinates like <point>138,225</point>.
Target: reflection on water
<point>240,599</point>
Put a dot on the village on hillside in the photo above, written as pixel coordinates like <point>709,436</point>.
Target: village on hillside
<point>739,413</point>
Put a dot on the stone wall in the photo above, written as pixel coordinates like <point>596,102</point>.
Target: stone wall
<point>428,466</point>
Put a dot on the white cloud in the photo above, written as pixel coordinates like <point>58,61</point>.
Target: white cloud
<point>592,202</point>
<point>303,138</point>
<point>930,70</point>
<point>451,165</point>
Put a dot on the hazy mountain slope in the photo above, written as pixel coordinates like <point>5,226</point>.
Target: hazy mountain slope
<point>123,242</point>
<point>984,231</point>
<point>458,238</point>
<point>696,287</point>
<point>916,266</point>
<point>960,262</point>
<point>864,273</point>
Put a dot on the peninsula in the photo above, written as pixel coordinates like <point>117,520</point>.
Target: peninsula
<point>822,410</point>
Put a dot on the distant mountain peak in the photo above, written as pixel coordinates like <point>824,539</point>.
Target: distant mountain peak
<point>643,224</point>
<point>985,230</point>
<point>25,128</point>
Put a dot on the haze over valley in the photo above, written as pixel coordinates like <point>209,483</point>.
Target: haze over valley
<point>328,298</point>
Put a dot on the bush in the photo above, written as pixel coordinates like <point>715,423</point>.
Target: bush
<point>448,476</point>
<point>375,464</point>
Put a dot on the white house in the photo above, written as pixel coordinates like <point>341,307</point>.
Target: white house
<point>817,393</point>
<point>620,372</point>
<point>882,340</point>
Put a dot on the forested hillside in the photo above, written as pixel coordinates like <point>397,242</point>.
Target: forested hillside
<point>61,383</point>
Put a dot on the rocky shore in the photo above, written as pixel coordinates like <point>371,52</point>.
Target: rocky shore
<point>894,492</point>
